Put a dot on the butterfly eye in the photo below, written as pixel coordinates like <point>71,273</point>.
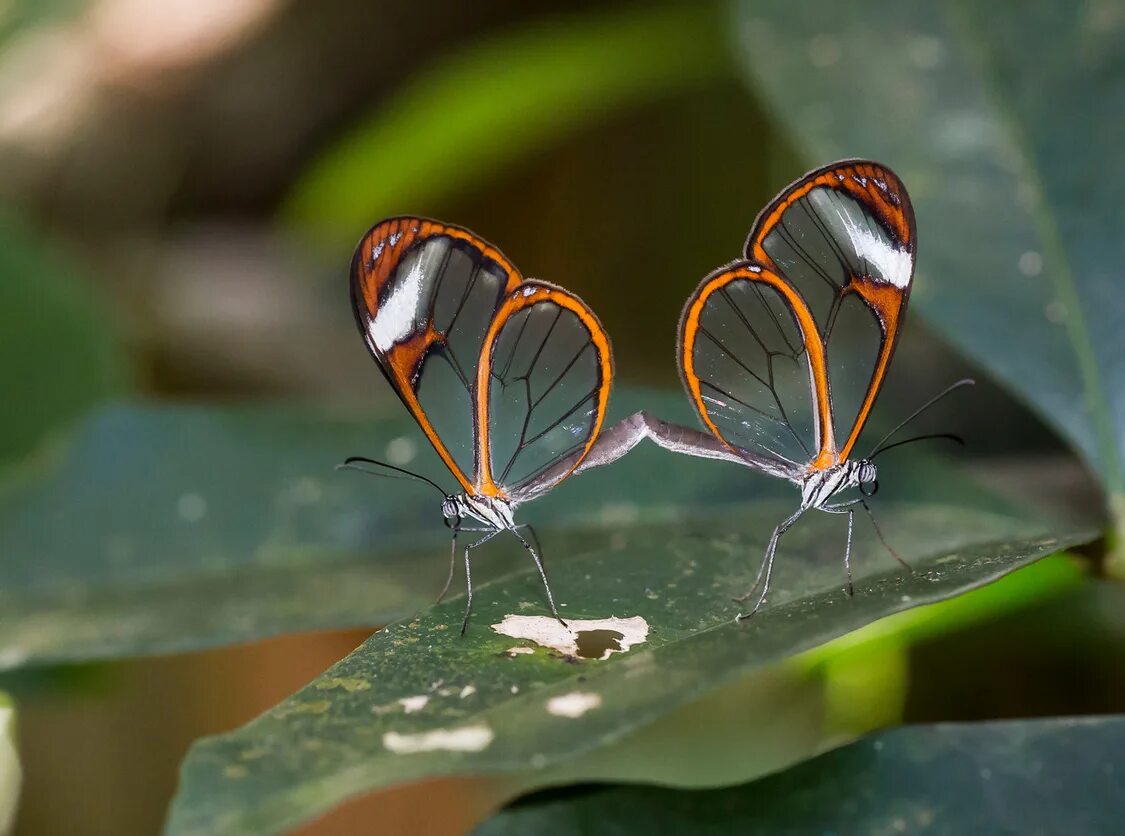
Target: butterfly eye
<point>869,488</point>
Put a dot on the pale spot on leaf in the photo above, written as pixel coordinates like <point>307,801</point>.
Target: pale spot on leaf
<point>412,704</point>
<point>548,632</point>
<point>574,704</point>
<point>465,739</point>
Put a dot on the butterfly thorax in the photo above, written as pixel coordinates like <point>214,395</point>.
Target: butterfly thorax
<point>493,511</point>
<point>820,486</point>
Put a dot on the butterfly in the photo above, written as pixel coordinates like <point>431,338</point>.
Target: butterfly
<point>509,378</point>
<point>783,353</point>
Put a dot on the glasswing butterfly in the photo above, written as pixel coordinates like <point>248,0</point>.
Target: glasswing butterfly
<point>783,352</point>
<point>507,377</point>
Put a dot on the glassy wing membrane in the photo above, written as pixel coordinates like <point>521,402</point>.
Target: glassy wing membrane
<point>746,363</point>
<point>844,237</point>
<point>424,295</point>
<point>543,384</point>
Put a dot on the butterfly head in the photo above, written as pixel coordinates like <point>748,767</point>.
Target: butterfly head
<point>867,477</point>
<point>451,510</point>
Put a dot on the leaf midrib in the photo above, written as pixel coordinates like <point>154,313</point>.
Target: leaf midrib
<point>1061,275</point>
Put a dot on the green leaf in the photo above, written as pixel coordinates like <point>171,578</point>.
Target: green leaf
<point>58,355</point>
<point>1031,776</point>
<point>11,775</point>
<point>416,702</point>
<point>163,529</point>
<point>18,16</point>
<point>159,529</point>
<point>985,110</point>
<point>491,104</point>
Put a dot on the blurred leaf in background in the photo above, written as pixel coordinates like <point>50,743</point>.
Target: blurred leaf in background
<point>613,151</point>
<point>1038,776</point>
<point>473,114</point>
<point>10,773</point>
<point>59,353</point>
<point>987,112</point>
<point>18,14</point>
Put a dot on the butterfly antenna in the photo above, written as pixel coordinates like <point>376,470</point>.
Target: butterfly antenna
<point>350,464</point>
<point>950,436</point>
<point>947,390</point>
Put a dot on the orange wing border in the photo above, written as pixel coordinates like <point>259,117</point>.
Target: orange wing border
<point>533,292</point>
<point>884,194</point>
<point>814,349</point>
<point>378,253</point>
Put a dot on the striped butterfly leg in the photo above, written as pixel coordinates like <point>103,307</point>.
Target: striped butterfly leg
<point>882,539</point>
<point>452,561</point>
<point>847,508</point>
<point>766,569</point>
<point>469,576</point>
<point>457,528</point>
<point>542,570</point>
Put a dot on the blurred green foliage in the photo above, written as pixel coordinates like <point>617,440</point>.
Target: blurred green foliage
<point>153,528</point>
<point>59,352</point>
<point>980,109</point>
<point>492,103</point>
<point>1001,777</point>
<point>10,771</point>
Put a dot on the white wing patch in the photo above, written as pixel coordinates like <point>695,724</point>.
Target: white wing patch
<point>886,262</point>
<point>395,319</point>
<point>889,263</point>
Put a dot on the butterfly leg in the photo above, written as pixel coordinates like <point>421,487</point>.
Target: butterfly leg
<point>757,580</point>
<point>534,536</point>
<point>883,539</point>
<point>452,562</point>
<point>469,577</point>
<point>767,565</point>
<point>542,572</point>
<point>845,508</point>
<point>457,528</point>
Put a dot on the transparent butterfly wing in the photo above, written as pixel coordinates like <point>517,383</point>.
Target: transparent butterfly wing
<point>746,364</point>
<point>549,371</point>
<point>424,295</point>
<point>844,237</point>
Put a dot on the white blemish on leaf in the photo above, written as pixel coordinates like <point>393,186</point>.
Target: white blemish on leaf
<point>465,739</point>
<point>191,507</point>
<point>467,691</point>
<point>412,704</point>
<point>546,631</point>
<point>1031,263</point>
<point>574,704</point>
<point>520,650</point>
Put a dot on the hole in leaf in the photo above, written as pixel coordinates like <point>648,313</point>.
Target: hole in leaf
<point>594,644</point>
